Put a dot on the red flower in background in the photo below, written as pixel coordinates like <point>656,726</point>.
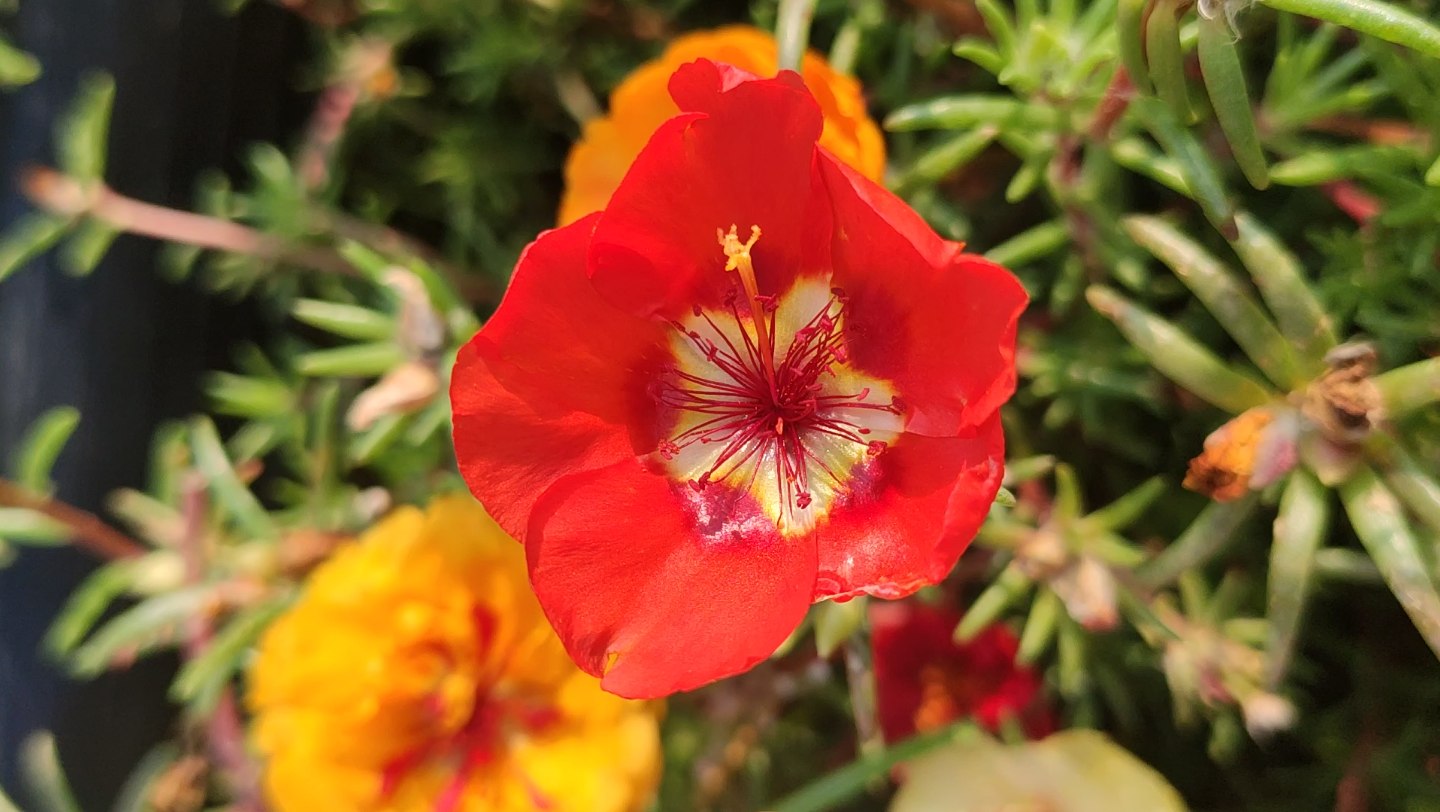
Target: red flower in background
<point>756,380</point>
<point>925,680</point>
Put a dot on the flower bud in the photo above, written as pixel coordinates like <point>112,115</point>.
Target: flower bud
<point>1087,588</point>
<point>404,389</point>
<point>1042,555</point>
<point>1266,714</point>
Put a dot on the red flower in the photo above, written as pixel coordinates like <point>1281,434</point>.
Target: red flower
<point>925,680</point>
<point>754,381</point>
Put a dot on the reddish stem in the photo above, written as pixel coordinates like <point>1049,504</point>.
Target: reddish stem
<point>87,530</point>
<point>1112,105</point>
<point>225,730</point>
<point>64,195</point>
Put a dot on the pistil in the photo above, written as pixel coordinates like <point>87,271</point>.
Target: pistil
<point>737,258</point>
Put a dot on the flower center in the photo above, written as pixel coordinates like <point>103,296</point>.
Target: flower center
<point>497,719</point>
<point>761,398</point>
<point>949,691</point>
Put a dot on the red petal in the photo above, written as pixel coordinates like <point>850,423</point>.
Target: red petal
<point>938,323</point>
<point>906,522</point>
<point>913,645</point>
<point>906,637</point>
<point>551,384</point>
<point>509,453</point>
<point>743,156</point>
<point>566,345</point>
<point>647,595</point>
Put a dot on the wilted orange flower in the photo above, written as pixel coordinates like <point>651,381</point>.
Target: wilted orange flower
<point>418,673</point>
<point>642,103</point>
<point>1223,471</point>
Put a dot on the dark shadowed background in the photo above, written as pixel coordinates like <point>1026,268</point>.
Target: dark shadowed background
<point>125,347</point>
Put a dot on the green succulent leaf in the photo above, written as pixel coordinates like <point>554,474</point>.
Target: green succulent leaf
<point>225,485</point>
<point>1416,488</point>
<point>946,157</point>
<point>1167,59</point>
<point>202,679</point>
<point>972,110</point>
<point>1124,511</point>
<point>1210,533</point>
<point>148,625</point>
<point>245,396</point>
<point>41,447</point>
<point>1130,30</point>
<point>1414,386</point>
<point>1040,627</point>
<point>836,622</point>
<point>1380,522</point>
<point>834,789</point>
<point>30,236</point>
<point>344,320</point>
<point>1202,179</point>
<point>1178,356</point>
<point>792,31</point>
<point>86,604</point>
<point>1030,245</point>
<point>1225,82</point>
<point>16,67</point>
<point>1378,19</point>
<point>87,246</point>
<point>1300,528</point>
<point>1319,166</point>
<point>44,777</point>
<point>1217,287</point>
<point>1003,592</point>
<point>82,136</point>
<point>1282,283</point>
<point>31,527</point>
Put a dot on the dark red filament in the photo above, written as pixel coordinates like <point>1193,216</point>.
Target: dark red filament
<point>754,416</point>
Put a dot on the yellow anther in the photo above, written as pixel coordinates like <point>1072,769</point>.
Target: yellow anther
<point>737,254</point>
<point>737,258</point>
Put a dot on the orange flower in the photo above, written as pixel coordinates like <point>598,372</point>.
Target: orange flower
<point>1223,471</point>
<point>642,103</point>
<point>417,674</point>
